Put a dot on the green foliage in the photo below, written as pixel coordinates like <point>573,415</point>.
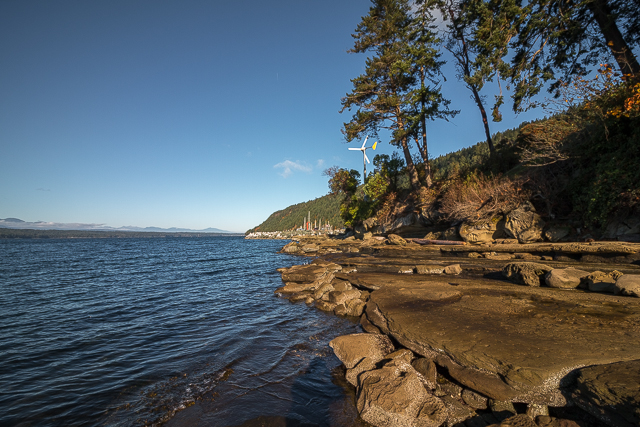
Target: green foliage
<point>326,208</point>
<point>342,181</point>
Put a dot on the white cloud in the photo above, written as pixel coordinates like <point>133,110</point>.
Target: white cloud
<point>288,167</point>
<point>320,163</point>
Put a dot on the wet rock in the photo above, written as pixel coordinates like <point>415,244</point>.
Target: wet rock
<point>351,349</point>
<point>394,239</point>
<point>610,392</point>
<point>524,224</point>
<point>483,232</point>
<point>564,278</point>
<point>601,282</point>
<point>429,269</point>
<point>628,284</point>
<point>427,368</point>
<point>325,305</point>
<point>394,396</point>
<point>454,269</point>
<point>525,273</point>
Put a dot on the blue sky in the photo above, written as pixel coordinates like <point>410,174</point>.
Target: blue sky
<point>189,114</point>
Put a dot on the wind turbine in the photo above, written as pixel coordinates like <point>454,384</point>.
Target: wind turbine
<point>365,159</point>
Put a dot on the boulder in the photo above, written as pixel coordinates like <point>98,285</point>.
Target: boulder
<point>610,392</point>
<point>394,239</point>
<point>342,297</point>
<point>483,232</point>
<point>291,248</point>
<point>524,224</point>
<point>340,310</point>
<point>525,273</point>
<point>556,233</point>
<point>564,278</point>
<point>341,285</point>
<point>427,368</point>
<point>458,413</point>
<point>325,305</point>
<point>368,326</point>
<point>627,230</point>
<point>628,284</point>
<point>351,349</point>
<point>473,399</point>
<point>355,307</point>
<point>520,420</point>
<point>322,290</point>
<point>454,269</point>
<point>394,396</point>
<point>452,234</point>
<point>410,224</point>
<point>429,269</point>
<point>353,374</point>
<point>601,282</point>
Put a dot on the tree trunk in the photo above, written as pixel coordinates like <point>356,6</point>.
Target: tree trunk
<point>411,167</point>
<point>424,152</point>
<point>485,121</point>
<point>625,58</point>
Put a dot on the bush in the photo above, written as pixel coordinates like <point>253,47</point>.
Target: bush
<point>478,197</point>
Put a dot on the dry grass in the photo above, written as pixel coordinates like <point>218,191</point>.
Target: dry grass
<point>481,197</point>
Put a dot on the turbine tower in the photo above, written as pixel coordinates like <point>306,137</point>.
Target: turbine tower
<point>365,159</point>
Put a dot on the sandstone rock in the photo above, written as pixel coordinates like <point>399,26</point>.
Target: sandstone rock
<point>474,400</point>
<point>483,232</point>
<point>290,288</point>
<point>408,224</point>
<point>370,223</point>
<point>610,392</point>
<point>340,297</point>
<point>368,326</point>
<point>403,354</point>
<point>367,235</point>
<point>525,273</point>
<point>322,290</point>
<point>547,421</point>
<point>299,296</point>
<point>524,224</point>
<point>457,412</point>
<point>628,284</point>
<point>451,234</point>
<point>394,239</point>
<point>355,307</point>
<point>325,305</point>
<point>449,388</point>
<point>340,310</point>
<point>454,269</point>
<point>535,410</point>
<point>520,420</point>
<point>366,364</point>
<point>601,282</point>
<point>429,269</point>
<point>433,235</point>
<point>557,233</point>
<point>427,368</point>
<point>351,349</point>
<point>502,409</point>
<point>564,278</point>
<point>310,248</point>
<point>291,248</point>
<point>394,396</point>
<point>341,285</point>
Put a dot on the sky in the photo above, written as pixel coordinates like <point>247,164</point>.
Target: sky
<point>189,114</point>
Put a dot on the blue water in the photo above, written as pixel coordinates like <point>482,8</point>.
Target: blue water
<point>184,331</point>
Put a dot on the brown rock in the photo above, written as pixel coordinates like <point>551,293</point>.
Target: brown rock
<point>366,364</point>
<point>368,326</point>
<point>473,399</point>
<point>394,239</point>
<point>610,392</point>
<point>351,349</point>
<point>394,396</point>
<point>454,269</point>
<point>340,297</point>
<point>322,290</point>
<point>355,307</point>
<point>483,232</point>
<point>427,368</point>
<point>429,269</point>
<point>564,278</point>
<point>340,310</point>
<point>525,273</point>
<point>325,305</point>
<point>628,284</point>
<point>524,224</point>
<point>601,282</point>
<point>520,420</point>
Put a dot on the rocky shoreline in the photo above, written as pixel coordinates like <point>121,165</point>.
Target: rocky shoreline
<point>541,334</point>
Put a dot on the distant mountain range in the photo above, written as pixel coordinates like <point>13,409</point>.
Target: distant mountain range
<point>16,223</point>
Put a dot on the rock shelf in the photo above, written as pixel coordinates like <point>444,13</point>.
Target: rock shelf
<point>501,334</point>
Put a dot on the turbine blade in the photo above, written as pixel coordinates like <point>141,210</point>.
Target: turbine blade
<point>365,141</point>
<point>366,158</point>
<point>354,149</point>
<point>375,144</point>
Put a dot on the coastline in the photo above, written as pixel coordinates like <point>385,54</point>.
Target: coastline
<point>494,333</point>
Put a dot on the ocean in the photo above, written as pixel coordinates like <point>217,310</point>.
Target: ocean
<point>175,331</point>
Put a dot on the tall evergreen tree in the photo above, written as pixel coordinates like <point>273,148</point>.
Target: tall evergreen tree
<point>398,90</point>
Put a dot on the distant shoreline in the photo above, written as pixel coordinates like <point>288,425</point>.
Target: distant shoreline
<point>22,233</point>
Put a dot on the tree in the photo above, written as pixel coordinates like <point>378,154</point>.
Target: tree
<point>557,40</point>
<point>381,93</point>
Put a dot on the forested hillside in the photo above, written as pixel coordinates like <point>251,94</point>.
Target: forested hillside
<point>325,209</point>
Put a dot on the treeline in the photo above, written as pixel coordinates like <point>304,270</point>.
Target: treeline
<point>10,233</point>
<point>325,209</point>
